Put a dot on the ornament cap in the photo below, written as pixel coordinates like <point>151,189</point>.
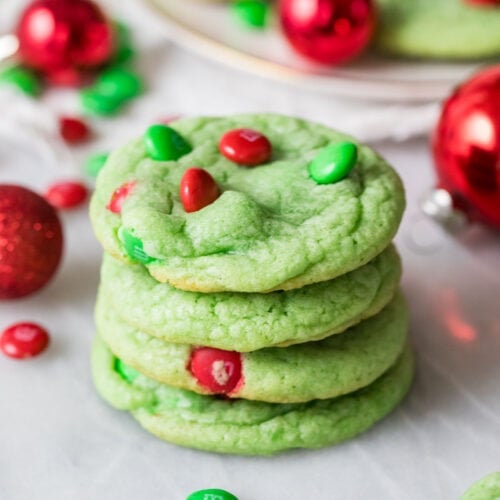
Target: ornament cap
<point>438,205</point>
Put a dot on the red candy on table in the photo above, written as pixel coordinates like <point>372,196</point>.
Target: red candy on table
<point>65,195</point>
<point>30,241</point>
<point>197,189</point>
<point>119,196</point>
<point>483,2</point>
<point>466,146</point>
<point>328,31</point>
<point>73,130</point>
<point>57,35</point>
<point>24,340</point>
<point>216,370</point>
<point>245,146</point>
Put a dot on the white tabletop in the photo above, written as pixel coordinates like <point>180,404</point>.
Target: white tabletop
<point>58,440</point>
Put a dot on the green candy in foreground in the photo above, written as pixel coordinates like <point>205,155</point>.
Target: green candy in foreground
<point>248,427</point>
<point>211,494</point>
<point>272,228</point>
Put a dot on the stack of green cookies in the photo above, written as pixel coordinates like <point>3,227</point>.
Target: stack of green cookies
<point>249,297</point>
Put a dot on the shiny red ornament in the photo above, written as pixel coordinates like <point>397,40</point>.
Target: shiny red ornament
<point>466,147</point>
<point>30,241</point>
<point>62,38</point>
<point>24,340</point>
<point>67,194</point>
<point>73,130</point>
<point>197,189</point>
<point>216,370</point>
<point>119,196</point>
<point>245,146</point>
<point>328,31</point>
<point>483,2</point>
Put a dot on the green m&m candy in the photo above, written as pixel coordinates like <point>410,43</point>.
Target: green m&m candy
<point>134,247</point>
<point>95,103</point>
<point>94,164</point>
<point>163,143</point>
<point>333,163</point>
<point>211,494</point>
<point>119,83</point>
<point>22,78</point>
<point>127,372</point>
<point>252,13</point>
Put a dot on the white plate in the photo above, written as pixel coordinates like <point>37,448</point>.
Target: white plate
<point>210,30</point>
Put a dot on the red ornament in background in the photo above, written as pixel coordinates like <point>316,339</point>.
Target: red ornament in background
<point>466,147</point>
<point>30,241</point>
<point>216,370</point>
<point>328,31</point>
<point>63,38</point>
<point>24,340</point>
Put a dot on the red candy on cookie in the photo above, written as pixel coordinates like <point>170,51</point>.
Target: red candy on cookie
<point>24,340</point>
<point>197,189</point>
<point>119,196</point>
<point>216,370</point>
<point>245,146</point>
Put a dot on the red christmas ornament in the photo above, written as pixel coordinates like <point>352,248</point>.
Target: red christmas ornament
<point>466,147</point>
<point>62,37</point>
<point>197,189</point>
<point>216,370</point>
<point>30,241</point>
<point>73,130</point>
<point>64,195</point>
<point>24,340</point>
<point>328,31</point>
<point>119,196</point>
<point>483,2</point>
<point>245,146</point>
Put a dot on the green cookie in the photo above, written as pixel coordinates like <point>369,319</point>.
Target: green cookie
<point>315,370</point>
<point>247,322</point>
<point>248,427</point>
<point>487,488</point>
<point>273,227</point>
<point>445,29</point>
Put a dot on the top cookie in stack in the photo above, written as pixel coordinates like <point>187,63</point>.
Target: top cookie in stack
<point>255,263</point>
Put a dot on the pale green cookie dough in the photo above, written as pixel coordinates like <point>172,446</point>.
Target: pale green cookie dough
<point>248,427</point>
<point>315,370</point>
<point>273,227</point>
<point>247,322</point>
<point>487,488</point>
<point>445,29</point>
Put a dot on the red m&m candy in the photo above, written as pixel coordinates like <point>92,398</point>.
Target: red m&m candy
<point>73,130</point>
<point>119,196</point>
<point>24,340</point>
<point>66,194</point>
<point>197,189</point>
<point>216,370</point>
<point>245,146</point>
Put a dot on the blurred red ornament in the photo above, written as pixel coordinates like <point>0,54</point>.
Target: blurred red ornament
<point>483,2</point>
<point>30,241</point>
<point>63,37</point>
<point>466,147</point>
<point>328,31</point>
